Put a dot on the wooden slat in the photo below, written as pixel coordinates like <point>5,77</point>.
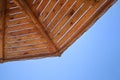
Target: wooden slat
<point>25,19</point>
<point>24,37</point>
<point>24,26</point>
<point>25,47</point>
<point>26,42</point>
<point>28,53</point>
<point>39,25</point>
<point>48,9</point>
<point>13,11</point>
<point>55,11</point>
<point>2,26</point>
<point>9,5</point>
<point>36,4</point>
<point>43,6</point>
<point>15,16</point>
<point>21,32</point>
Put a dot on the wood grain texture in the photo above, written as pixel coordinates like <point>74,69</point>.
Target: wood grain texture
<point>45,28</point>
<point>22,38</point>
<point>88,20</point>
<point>38,24</point>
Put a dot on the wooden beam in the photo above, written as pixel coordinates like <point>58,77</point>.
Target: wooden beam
<point>40,27</point>
<point>2,24</point>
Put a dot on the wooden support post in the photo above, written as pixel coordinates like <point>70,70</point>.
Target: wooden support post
<point>2,24</point>
<point>40,27</point>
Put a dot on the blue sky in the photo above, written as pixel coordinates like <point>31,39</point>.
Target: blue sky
<point>94,56</point>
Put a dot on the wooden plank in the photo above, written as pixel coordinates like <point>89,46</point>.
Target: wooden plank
<point>36,4</point>
<point>25,47</point>
<point>9,5</point>
<point>28,53</point>
<point>13,11</point>
<point>48,9</point>
<point>58,7</point>
<point>26,42</point>
<point>27,31</point>
<point>21,38</point>
<point>19,21</point>
<point>2,26</point>
<point>36,56</point>
<point>38,24</point>
<point>15,16</point>
<point>20,27</point>
<point>42,6</point>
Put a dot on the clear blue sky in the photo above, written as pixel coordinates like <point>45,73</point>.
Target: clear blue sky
<point>94,56</point>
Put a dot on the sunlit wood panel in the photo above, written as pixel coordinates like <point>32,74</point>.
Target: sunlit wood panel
<point>45,28</point>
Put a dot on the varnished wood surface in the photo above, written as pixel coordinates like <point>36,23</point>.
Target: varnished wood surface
<point>44,28</point>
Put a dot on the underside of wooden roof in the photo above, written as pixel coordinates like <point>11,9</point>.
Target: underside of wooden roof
<point>44,28</point>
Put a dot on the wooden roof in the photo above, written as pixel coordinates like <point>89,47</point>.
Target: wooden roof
<point>44,28</point>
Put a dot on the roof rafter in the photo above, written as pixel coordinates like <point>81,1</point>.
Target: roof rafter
<point>2,27</point>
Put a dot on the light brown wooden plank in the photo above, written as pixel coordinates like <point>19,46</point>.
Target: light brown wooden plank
<point>35,5</point>
<point>19,21</point>
<point>13,11</point>
<point>20,38</point>
<point>9,5</point>
<point>33,41</point>
<point>28,53</point>
<point>21,32</point>
<point>48,9</point>
<point>42,6</point>
<point>25,47</point>
<point>15,16</point>
<point>24,26</point>
<point>55,10</point>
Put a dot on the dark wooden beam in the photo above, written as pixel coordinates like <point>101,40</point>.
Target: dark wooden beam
<point>2,28</point>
